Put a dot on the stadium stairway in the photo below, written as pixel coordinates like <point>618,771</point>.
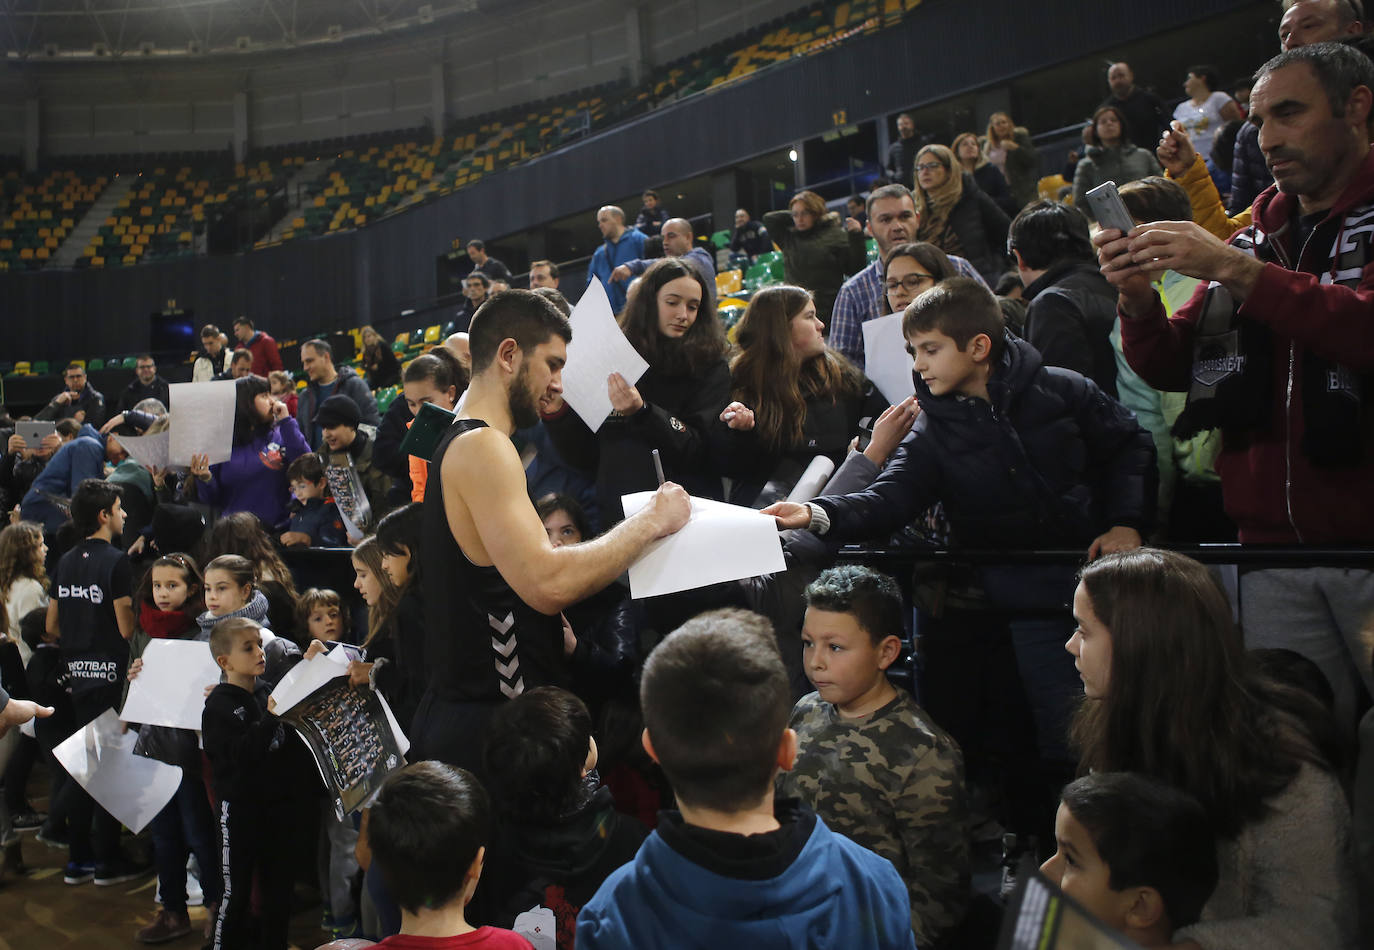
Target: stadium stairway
<point>297,190</point>
<point>87,227</point>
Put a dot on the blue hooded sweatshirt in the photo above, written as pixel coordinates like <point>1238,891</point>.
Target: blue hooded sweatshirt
<point>835,894</point>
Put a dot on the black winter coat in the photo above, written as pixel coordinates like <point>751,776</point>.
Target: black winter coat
<point>982,230</point>
<point>829,428</point>
<point>1051,462</point>
<point>1070,312</point>
<point>679,412</point>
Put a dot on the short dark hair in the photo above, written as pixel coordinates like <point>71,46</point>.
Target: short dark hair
<point>69,428</point>
<point>479,275</point>
<point>479,244</point>
<point>536,745</point>
<point>209,330</point>
<point>225,632</point>
<point>244,321</point>
<point>887,191</point>
<point>553,268</point>
<point>929,256</point>
<point>1149,834</point>
<point>144,356</point>
<point>307,468</point>
<point>716,700</point>
<point>576,513</point>
<point>1047,232</point>
<point>960,308</point>
<point>1339,67</point>
<point>241,354</point>
<point>871,598</point>
<point>93,496</point>
<point>76,365</point>
<point>520,315</point>
<point>32,626</point>
<point>649,193</point>
<point>320,346</point>
<point>424,829</point>
<point>1207,74</point>
<point>399,533</point>
<point>1156,198</point>
<point>556,298</point>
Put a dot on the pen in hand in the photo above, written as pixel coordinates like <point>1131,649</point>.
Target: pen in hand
<point>658,467</point>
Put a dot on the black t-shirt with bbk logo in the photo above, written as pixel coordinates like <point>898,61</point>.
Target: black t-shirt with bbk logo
<point>90,578</point>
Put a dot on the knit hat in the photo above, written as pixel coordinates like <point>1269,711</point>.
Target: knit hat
<point>338,411</point>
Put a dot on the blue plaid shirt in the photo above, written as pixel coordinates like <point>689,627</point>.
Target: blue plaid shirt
<point>862,298</point>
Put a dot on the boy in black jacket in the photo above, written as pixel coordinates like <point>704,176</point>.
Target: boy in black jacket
<point>1023,456</point>
<point>246,746</point>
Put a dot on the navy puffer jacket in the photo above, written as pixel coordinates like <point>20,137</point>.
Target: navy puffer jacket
<point>1052,461</point>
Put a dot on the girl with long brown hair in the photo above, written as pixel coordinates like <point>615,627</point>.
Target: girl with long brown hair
<point>1170,692</point>
<point>23,581</point>
<point>796,398</point>
<point>670,318</point>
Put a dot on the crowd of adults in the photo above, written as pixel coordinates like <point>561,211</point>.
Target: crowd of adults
<point>1200,378</point>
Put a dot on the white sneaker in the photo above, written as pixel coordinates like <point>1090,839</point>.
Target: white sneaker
<point>194,896</point>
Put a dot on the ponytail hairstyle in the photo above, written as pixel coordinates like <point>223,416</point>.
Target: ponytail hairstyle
<point>238,567</point>
<point>369,554</point>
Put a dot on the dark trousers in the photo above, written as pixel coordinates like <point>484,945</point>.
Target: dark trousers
<point>186,825</point>
<point>254,838</point>
<point>17,774</point>
<point>94,832</point>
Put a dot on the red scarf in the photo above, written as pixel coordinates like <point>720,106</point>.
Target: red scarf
<point>164,624</point>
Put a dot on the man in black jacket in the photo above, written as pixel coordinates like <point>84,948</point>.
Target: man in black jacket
<point>1146,117</point>
<point>146,385</point>
<point>1071,308</point>
<point>80,400</point>
<point>901,154</point>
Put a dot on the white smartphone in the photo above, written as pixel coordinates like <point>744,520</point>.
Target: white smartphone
<point>1108,207</point>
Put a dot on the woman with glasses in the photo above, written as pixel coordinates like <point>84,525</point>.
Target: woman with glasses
<point>956,215</point>
<point>912,269</point>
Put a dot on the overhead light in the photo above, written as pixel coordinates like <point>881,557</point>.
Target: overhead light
<point>100,49</point>
<point>242,43</point>
<point>334,31</point>
<point>146,47</point>
<point>50,50</point>
<point>792,154</point>
<point>425,14</point>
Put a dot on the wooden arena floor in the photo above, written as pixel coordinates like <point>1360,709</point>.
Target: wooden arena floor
<point>40,912</point>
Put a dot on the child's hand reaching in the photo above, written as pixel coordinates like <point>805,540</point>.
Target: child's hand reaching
<point>315,649</point>
<point>135,668</point>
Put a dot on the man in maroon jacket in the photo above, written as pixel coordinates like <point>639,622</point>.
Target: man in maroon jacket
<point>1277,351</point>
<point>266,359</point>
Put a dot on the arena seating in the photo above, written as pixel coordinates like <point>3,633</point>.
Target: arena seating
<point>40,211</point>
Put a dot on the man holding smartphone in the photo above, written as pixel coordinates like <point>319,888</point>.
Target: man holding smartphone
<point>1276,350</point>
<point>80,400</point>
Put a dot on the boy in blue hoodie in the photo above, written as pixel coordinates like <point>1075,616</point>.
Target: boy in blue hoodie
<point>734,867</point>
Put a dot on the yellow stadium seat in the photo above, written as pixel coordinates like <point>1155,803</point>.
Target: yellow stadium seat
<point>1048,187</point>
<point>432,334</point>
<point>729,282</point>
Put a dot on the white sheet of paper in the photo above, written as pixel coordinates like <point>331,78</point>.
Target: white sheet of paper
<point>27,729</point>
<point>148,449</point>
<point>886,360</point>
<point>719,543</point>
<point>304,678</point>
<point>402,740</point>
<point>170,689</point>
<point>351,531</point>
<point>597,350</point>
<point>130,787</point>
<point>202,421</point>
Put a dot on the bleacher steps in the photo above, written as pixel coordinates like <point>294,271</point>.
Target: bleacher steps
<point>297,187</point>
<point>70,249</point>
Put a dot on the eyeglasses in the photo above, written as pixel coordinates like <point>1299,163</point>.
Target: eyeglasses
<point>909,282</point>
<point>929,166</point>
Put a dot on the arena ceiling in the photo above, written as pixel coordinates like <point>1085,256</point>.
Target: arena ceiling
<point>112,29</point>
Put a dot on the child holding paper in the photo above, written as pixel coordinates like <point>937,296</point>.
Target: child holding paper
<point>168,602</point>
<point>249,774</point>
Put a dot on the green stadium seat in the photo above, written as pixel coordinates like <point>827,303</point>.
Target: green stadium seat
<point>40,368</point>
<point>721,240</point>
<point>130,362</point>
<point>94,364</point>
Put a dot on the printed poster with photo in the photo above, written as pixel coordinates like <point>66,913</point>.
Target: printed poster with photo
<point>353,737</point>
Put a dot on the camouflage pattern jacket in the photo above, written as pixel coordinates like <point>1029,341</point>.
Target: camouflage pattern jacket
<point>893,782</point>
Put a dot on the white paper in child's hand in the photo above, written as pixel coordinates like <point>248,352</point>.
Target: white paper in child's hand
<point>597,350</point>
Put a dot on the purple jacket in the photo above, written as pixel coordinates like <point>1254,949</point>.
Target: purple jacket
<point>254,478</point>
